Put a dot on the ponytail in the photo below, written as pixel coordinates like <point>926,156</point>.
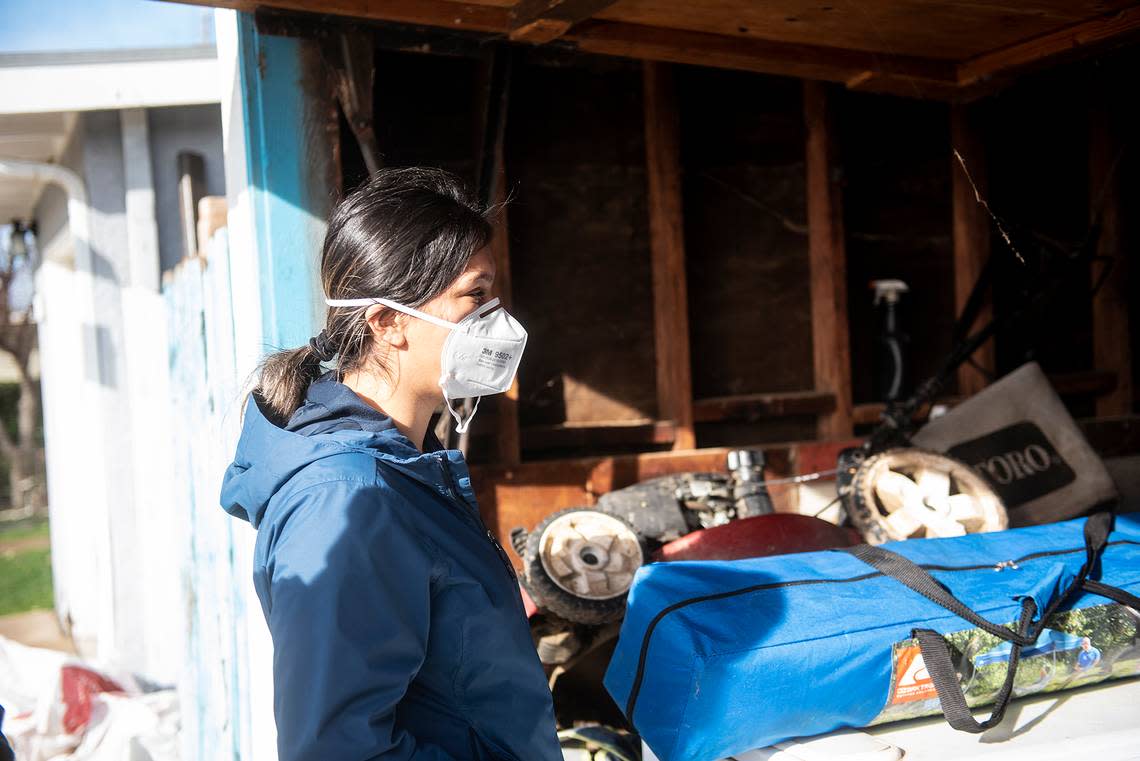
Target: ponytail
<point>283,379</point>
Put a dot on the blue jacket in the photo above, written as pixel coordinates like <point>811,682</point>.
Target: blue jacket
<point>397,624</point>
<point>6,753</point>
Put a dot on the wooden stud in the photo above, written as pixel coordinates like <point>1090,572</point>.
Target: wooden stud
<point>354,79</point>
<point>828,263</point>
<point>667,247</point>
<point>1111,336</point>
<point>971,231</point>
<point>507,439</point>
<point>491,180</point>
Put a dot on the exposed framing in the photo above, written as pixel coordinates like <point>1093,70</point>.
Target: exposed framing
<point>1112,346</point>
<point>827,257</point>
<point>971,232</point>
<point>667,251</point>
<point>540,21</point>
<point>570,22</point>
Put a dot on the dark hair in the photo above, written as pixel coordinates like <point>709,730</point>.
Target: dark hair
<point>404,234</point>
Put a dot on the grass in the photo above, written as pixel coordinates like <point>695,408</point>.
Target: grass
<point>25,528</point>
<point>25,576</point>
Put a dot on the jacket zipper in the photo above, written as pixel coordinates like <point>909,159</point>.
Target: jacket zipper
<point>631,703</point>
<point>476,520</point>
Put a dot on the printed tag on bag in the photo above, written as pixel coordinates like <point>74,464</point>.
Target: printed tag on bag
<point>1078,647</point>
<point>910,681</point>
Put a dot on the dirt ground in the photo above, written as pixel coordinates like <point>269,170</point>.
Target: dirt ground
<point>13,546</point>
<point>36,628</point>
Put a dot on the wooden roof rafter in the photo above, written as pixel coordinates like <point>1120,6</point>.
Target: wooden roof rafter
<point>540,21</point>
<point>981,47</point>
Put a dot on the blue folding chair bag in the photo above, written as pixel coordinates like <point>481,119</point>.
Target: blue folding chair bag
<point>719,657</point>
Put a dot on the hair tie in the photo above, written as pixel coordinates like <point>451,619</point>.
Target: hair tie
<point>322,347</point>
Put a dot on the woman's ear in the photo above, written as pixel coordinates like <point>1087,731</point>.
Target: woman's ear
<point>387,325</point>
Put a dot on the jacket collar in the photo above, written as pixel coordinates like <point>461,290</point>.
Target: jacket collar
<point>332,406</point>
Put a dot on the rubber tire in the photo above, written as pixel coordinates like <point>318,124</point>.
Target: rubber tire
<point>549,596</point>
<point>864,515</point>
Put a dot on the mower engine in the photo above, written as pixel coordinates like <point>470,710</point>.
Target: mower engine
<point>579,563</point>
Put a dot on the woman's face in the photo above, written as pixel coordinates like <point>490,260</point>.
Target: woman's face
<point>419,343</point>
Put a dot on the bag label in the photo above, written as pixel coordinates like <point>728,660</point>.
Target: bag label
<point>910,680</point>
<point>1018,461</point>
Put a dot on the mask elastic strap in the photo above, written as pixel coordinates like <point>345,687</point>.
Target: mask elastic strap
<point>461,425</point>
<point>483,309</point>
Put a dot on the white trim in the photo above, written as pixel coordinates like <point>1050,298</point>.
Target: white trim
<point>43,88</point>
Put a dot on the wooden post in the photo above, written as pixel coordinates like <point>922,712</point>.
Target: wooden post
<point>191,188</point>
<point>971,230</point>
<point>509,451</point>
<point>827,256</point>
<point>491,180</point>
<point>667,247</point>
<point>1111,342</point>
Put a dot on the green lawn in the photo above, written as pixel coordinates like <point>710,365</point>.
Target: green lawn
<point>25,528</point>
<point>25,575</point>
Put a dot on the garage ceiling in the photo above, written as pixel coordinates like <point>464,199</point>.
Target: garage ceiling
<point>947,49</point>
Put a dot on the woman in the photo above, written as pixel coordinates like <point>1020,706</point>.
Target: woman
<point>397,624</point>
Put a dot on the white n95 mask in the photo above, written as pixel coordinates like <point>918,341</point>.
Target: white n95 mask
<point>480,355</point>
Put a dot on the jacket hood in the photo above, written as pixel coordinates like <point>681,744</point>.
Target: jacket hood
<point>332,420</point>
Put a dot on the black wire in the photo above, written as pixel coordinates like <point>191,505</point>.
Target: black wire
<point>830,504</point>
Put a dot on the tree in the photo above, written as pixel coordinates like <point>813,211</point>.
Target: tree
<point>21,449</point>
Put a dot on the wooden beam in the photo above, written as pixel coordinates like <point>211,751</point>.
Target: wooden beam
<point>751,407</point>
<point>872,412</point>
<point>1113,437</point>
<point>1097,383</point>
<point>828,263</point>
<point>971,231</point>
<point>594,435</point>
<point>441,13</point>
<point>541,21</point>
<point>750,54</point>
<point>569,20</point>
<point>1082,38</point>
<point>1112,346</point>
<point>901,74</point>
<point>667,249</point>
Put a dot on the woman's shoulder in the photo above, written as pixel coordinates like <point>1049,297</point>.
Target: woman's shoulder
<point>337,504</point>
<point>338,466</point>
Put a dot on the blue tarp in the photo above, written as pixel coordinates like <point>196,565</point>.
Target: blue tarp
<point>1050,641</point>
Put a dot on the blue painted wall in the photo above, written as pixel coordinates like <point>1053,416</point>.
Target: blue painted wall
<point>287,160</point>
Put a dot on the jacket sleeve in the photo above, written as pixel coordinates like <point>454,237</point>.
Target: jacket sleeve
<point>349,602</point>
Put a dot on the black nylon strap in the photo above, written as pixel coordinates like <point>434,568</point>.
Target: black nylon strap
<point>1096,531</point>
<point>935,652</point>
<point>1112,593</point>
<point>936,658</point>
<point>919,580</point>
